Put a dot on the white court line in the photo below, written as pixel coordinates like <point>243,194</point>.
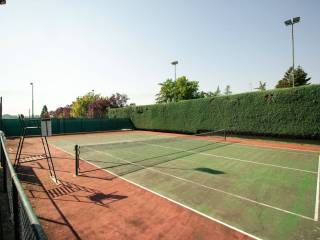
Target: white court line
<point>288,150</point>
<point>231,158</point>
<point>138,140</point>
<point>204,186</point>
<point>282,149</point>
<point>316,209</point>
<point>167,198</point>
<point>279,149</point>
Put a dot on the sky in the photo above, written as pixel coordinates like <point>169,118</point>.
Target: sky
<point>68,48</point>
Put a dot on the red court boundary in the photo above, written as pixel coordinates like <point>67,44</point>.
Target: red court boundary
<point>98,206</point>
<point>261,143</point>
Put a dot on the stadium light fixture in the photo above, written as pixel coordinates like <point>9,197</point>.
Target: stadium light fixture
<point>174,63</point>
<point>2,2</point>
<point>291,22</point>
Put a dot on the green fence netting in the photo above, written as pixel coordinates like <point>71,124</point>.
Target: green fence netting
<point>11,127</point>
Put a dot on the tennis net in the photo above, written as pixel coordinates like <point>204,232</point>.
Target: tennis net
<point>216,133</point>
<point>26,223</point>
<point>124,157</point>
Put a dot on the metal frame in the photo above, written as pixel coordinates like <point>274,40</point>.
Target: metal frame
<point>26,224</point>
<point>44,141</point>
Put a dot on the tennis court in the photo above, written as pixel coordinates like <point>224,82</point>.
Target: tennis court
<point>267,192</point>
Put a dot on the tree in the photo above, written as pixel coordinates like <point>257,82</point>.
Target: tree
<point>300,78</point>
<point>167,92</point>
<point>262,86</point>
<point>203,94</point>
<point>79,108</point>
<point>98,108</point>
<point>118,100</point>
<point>44,112</point>
<point>181,89</point>
<point>62,112</point>
<point>227,91</point>
<point>217,92</point>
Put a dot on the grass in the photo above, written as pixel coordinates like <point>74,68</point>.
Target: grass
<point>267,192</point>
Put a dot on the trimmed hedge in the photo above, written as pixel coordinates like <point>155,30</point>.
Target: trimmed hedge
<point>280,112</point>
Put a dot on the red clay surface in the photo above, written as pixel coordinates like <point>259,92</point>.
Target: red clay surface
<point>98,206</point>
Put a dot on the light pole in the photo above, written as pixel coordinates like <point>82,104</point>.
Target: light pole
<point>32,99</point>
<point>288,23</point>
<point>174,63</point>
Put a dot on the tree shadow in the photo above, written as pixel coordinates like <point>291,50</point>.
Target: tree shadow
<point>65,192</point>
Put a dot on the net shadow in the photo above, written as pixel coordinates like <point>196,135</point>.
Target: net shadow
<point>130,166</point>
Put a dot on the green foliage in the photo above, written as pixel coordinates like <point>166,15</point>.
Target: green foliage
<point>174,91</point>
<point>94,105</point>
<point>44,112</point>
<point>262,86</point>
<point>300,78</point>
<point>279,112</point>
<point>79,108</point>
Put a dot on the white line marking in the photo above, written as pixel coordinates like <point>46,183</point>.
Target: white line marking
<point>204,186</point>
<point>169,199</point>
<point>138,140</point>
<point>231,158</point>
<point>289,150</point>
<point>280,149</point>
<point>316,209</point>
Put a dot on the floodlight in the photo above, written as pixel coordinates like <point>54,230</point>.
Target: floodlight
<point>174,63</point>
<point>296,20</point>
<point>288,22</point>
<point>2,2</point>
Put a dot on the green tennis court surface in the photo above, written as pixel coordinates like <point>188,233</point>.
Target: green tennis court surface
<point>267,192</point>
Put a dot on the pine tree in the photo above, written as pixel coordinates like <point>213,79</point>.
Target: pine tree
<point>227,91</point>
<point>300,78</point>
<point>44,112</point>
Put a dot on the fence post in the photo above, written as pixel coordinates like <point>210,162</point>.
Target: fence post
<point>76,149</point>
<point>15,204</point>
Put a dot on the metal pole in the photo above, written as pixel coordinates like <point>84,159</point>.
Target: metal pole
<point>76,149</point>
<point>292,55</point>
<point>0,113</point>
<point>32,100</point>
<point>174,63</point>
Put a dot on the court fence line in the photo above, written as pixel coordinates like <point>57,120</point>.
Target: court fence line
<point>26,224</point>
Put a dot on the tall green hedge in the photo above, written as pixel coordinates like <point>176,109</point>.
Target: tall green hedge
<point>280,112</point>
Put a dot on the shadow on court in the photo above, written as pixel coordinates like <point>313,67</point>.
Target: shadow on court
<point>124,168</point>
<point>57,198</point>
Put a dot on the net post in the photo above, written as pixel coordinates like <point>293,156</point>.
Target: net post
<point>225,135</point>
<point>15,204</point>
<point>76,149</point>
